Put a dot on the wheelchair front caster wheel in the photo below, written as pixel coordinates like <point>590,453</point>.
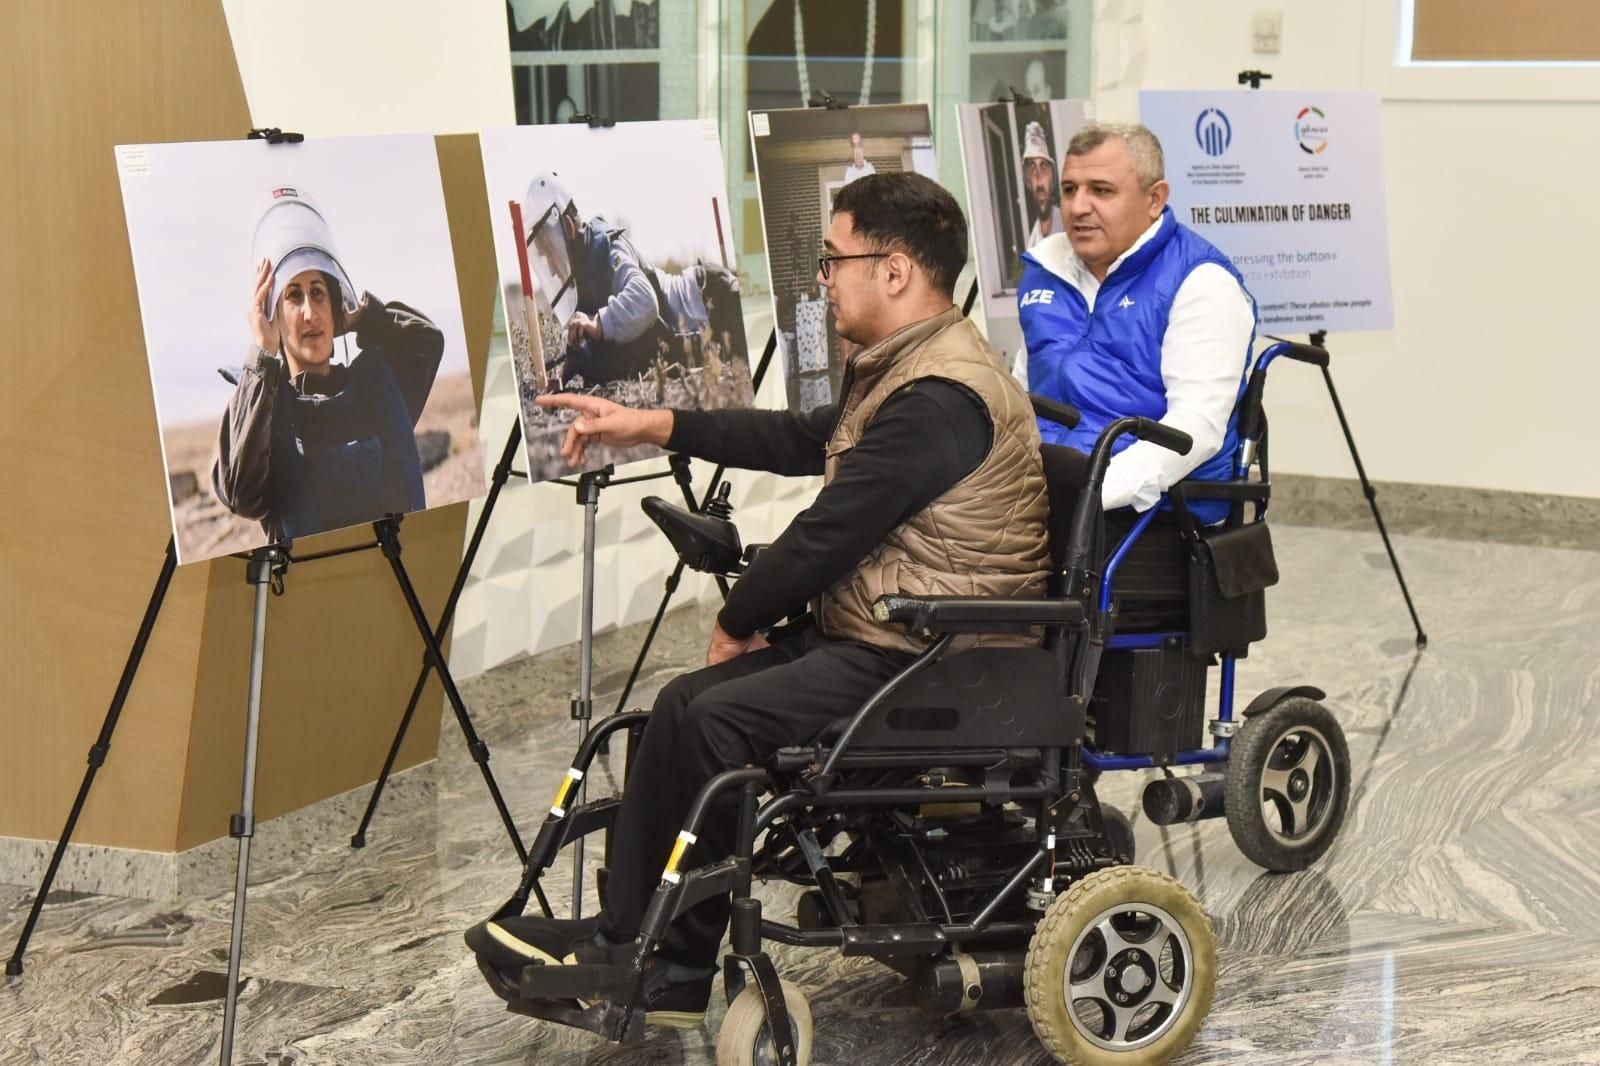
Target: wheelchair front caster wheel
<point>1287,784</point>
<point>745,1038</point>
<point>1119,832</point>
<point>1121,969</point>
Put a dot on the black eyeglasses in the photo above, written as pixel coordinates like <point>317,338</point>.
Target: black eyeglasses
<point>825,261</point>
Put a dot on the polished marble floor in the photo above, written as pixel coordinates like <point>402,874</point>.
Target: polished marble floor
<point>1457,919</point>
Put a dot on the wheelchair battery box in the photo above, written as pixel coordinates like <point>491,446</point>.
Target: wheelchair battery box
<point>1150,700</point>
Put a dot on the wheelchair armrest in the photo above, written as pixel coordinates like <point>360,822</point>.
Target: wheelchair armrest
<point>1244,491</point>
<point>704,542</point>
<point>1062,414</point>
<point>936,615</point>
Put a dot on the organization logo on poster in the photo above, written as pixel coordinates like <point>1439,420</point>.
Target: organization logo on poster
<point>1213,131</point>
<point>1311,130</point>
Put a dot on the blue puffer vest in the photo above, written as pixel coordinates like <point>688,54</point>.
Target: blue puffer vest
<point>1107,362</point>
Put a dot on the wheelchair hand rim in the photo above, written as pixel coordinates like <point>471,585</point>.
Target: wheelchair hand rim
<point>1140,952</point>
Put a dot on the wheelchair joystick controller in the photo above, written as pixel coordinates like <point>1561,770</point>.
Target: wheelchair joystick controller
<point>720,506</point>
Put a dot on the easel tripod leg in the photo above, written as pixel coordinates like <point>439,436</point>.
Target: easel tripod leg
<point>589,486</point>
<point>388,539</point>
<point>97,754</point>
<point>263,563</point>
<point>502,473</point>
<point>1371,494</point>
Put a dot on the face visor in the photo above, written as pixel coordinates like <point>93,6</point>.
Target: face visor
<point>550,262</point>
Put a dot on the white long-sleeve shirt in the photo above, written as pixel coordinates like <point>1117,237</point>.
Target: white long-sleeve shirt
<point>1203,356</point>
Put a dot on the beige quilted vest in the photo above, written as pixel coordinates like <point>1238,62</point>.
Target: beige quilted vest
<point>985,536</point>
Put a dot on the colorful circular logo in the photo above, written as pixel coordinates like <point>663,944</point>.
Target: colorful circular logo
<point>1311,130</point>
<point>1213,132</point>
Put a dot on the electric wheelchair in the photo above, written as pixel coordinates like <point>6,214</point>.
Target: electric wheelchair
<point>950,829</point>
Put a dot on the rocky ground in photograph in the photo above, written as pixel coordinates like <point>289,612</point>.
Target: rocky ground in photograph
<point>705,375</point>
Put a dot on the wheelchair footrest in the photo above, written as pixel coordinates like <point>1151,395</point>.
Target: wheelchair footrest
<point>581,981</point>
<point>921,938</point>
<point>603,1019</point>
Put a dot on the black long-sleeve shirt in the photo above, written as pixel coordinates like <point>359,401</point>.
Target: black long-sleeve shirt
<point>920,443</point>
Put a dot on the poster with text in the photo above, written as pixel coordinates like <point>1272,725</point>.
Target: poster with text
<point>1289,184</point>
<point>803,158</point>
<point>615,260</point>
<point>304,334</point>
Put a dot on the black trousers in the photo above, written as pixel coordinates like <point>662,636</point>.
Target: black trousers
<point>720,718</point>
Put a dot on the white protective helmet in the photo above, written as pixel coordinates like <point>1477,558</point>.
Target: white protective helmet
<point>292,233</point>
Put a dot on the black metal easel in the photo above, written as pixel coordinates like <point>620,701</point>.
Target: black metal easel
<point>475,745</point>
<point>588,486</point>
<point>1319,340</point>
<point>1253,79</point>
<point>705,501</point>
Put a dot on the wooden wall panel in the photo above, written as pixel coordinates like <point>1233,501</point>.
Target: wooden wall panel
<point>83,514</point>
<point>1490,30</point>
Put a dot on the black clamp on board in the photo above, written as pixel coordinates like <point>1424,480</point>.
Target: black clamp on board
<point>1253,78</point>
<point>594,122</point>
<point>273,135</point>
<point>1015,97</point>
<point>827,100</point>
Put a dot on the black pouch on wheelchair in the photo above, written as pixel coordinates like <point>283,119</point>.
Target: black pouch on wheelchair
<point>1229,573</point>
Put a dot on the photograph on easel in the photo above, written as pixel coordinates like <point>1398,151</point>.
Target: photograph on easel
<point>615,258</point>
<point>304,334</point>
<point>803,158</point>
<point>1012,155</point>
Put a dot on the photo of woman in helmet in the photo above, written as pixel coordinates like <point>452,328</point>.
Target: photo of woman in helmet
<point>303,328</point>
<point>310,443</point>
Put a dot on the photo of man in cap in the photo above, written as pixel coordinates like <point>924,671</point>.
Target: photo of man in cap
<point>1039,175</point>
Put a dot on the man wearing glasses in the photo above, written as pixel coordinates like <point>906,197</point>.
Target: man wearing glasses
<point>933,485</point>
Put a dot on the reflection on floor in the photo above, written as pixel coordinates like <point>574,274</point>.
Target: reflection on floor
<point>1454,921</point>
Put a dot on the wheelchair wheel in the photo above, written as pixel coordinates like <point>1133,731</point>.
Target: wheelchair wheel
<point>1119,831</point>
<point>1121,968</point>
<point>1287,785</point>
<point>745,1038</point>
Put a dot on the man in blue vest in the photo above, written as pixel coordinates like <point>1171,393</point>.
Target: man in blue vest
<point>1129,312</point>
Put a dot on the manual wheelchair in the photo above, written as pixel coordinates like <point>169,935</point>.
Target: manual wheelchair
<point>950,828</point>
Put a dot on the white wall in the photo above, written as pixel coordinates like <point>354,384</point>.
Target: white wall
<point>374,66</point>
<point>1486,379</point>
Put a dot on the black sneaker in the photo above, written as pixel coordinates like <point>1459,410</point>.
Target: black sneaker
<point>509,944</point>
<point>679,997</point>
